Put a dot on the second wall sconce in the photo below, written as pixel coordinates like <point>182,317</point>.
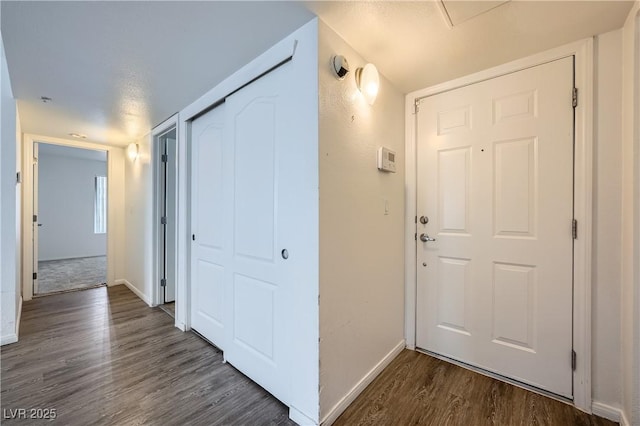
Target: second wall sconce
<point>132,151</point>
<point>368,82</point>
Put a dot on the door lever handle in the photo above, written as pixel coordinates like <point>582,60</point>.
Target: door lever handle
<point>424,238</point>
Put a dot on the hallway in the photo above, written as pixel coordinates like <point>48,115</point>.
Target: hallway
<point>101,356</point>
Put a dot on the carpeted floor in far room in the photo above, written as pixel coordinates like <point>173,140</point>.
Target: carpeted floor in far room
<point>71,274</point>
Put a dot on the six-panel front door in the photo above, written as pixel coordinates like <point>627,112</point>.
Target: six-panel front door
<point>495,180</point>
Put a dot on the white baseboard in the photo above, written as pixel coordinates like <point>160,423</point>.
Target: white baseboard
<point>13,337</point>
<point>8,338</point>
<point>300,418</point>
<point>135,290</point>
<point>18,318</point>
<point>624,421</point>
<point>606,411</point>
<point>342,405</point>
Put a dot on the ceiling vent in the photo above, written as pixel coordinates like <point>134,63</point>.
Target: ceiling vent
<point>456,12</point>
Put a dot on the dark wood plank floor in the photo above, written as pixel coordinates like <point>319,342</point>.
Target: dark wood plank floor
<point>102,357</point>
<point>417,389</point>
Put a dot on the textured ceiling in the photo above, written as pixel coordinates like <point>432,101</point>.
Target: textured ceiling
<point>412,46</point>
<point>116,69</point>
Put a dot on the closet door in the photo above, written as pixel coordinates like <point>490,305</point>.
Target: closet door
<point>209,249</point>
<point>261,207</point>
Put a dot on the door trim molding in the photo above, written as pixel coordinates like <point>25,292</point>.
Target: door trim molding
<point>159,130</point>
<point>582,51</point>
<point>27,206</point>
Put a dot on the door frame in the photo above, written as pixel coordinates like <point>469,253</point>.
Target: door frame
<point>582,51</point>
<point>27,206</point>
<point>159,130</point>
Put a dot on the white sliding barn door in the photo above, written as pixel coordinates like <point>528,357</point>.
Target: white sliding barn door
<point>209,248</point>
<point>261,209</point>
<point>495,180</point>
<point>244,223</point>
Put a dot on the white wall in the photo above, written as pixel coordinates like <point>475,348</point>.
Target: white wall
<point>9,193</point>
<point>138,237</point>
<point>630,219</point>
<point>607,232</point>
<point>361,247</point>
<point>18,226</point>
<point>116,227</point>
<point>66,204</point>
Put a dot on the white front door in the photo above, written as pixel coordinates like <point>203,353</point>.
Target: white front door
<point>209,249</point>
<point>495,180</point>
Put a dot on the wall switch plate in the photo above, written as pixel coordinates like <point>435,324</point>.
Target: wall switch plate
<point>386,160</point>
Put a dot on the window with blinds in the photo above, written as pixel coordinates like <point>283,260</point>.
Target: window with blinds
<point>100,210</point>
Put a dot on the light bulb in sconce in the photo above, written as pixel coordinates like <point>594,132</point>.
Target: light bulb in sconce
<point>368,82</point>
<point>132,151</point>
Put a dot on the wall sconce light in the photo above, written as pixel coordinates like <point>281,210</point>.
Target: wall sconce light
<point>132,151</point>
<point>368,82</point>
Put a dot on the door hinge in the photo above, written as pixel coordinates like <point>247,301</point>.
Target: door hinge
<point>575,97</point>
<point>35,275</point>
<point>574,229</point>
<point>416,105</point>
<point>35,217</point>
<point>415,219</point>
<point>164,158</point>
<point>573,360</point>
<point>163,220</point>
<point>415,237</point>
<point>163,282</point>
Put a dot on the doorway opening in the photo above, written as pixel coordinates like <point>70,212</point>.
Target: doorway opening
<point>69,219</point>
<point>165,213</point>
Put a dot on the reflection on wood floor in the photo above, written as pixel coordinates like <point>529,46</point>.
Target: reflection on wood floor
<point>103,357</point>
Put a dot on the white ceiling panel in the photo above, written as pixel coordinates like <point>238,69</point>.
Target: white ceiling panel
<point>459,11</point>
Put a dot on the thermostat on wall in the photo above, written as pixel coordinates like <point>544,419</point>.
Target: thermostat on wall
<point>386,160</point>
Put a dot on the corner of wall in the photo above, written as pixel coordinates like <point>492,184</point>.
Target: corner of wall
<point>137,203</point>
<point>631,217</point>
<point>361,229</point>
<point>10,205</point>
<point>607,229</point>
